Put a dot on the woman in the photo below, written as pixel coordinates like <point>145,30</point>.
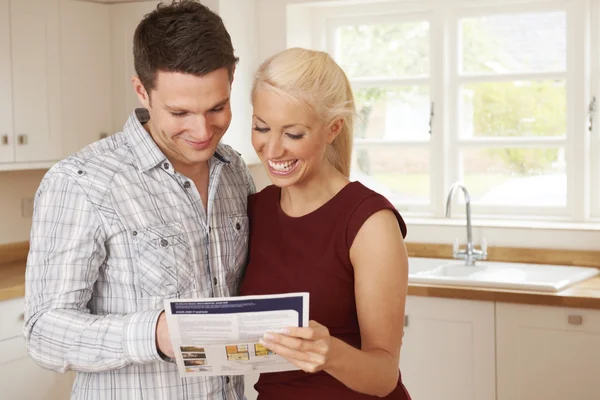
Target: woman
<point>316,231</point>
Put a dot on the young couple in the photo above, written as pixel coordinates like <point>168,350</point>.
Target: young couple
<point>164,210</point>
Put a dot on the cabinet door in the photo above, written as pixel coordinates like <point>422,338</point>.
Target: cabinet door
<point>85,68</point>
<point>7,152</point>
<point>36,79</point>
<point>22,379</point>
<point>448,349</point>
<point>548,353</point>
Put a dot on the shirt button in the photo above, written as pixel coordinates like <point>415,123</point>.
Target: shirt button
<point>164,242</point>
<point>238,226</point>
<point>215,281</point>
<point>166,165</point>
<point>227,379</point>
<point>80,172</point>
<point>134,233</point>
<point>187,184</point>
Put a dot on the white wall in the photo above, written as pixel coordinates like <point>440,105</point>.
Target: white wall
<point>15,186</point>
<point>260,176</point>
<point>273,22</point>
<point>240,20</point>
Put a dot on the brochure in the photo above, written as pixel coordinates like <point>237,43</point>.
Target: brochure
<point>219,336</point>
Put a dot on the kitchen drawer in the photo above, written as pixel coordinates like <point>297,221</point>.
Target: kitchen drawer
<point>564,319</point>
<point>11,318</point>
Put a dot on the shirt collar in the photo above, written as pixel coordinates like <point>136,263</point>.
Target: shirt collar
<point>147,154</point>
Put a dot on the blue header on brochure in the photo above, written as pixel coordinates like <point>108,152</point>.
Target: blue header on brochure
<point>239,306</point>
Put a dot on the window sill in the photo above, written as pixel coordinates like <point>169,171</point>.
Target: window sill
<point>460,221</point>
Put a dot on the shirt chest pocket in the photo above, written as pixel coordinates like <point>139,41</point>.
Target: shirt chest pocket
<point>163,260</point>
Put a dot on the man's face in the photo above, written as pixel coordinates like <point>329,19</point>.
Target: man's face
<point>188,114</point>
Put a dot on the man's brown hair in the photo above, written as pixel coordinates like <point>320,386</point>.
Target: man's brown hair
<point>185,37</point>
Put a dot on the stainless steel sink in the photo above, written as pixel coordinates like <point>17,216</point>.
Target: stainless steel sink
<point>501,275</point>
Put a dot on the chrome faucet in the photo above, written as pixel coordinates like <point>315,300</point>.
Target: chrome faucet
<point>469,254</point>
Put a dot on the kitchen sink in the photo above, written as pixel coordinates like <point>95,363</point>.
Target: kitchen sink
<point>501,275</point>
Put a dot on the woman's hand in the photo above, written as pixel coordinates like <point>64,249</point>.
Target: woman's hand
<point>307,348</point>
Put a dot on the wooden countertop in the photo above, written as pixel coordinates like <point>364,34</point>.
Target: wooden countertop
<point>12,280</point>
<point>583,295</point>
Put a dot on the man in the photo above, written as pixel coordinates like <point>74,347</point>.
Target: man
<point>155,211</point>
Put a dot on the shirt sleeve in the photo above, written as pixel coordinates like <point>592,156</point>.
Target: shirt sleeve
<point>67,250</point>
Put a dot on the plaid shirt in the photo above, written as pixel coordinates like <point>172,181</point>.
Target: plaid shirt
<point>116,231</point>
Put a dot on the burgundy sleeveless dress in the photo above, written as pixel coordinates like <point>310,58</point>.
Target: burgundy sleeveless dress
<point>311,254</point>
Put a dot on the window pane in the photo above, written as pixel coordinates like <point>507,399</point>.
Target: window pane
<point>396,50</point>
<point>516,176</point>
<point>398,172</point>
<point>519,108</point>
<point>532,42</point>
<point>393,113</point>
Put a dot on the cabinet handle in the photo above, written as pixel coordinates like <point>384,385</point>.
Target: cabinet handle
<point>4,140</point>
<point>405,321</point>
<point>22,317</point>
<point>22,139</point>
<point>575,319</point>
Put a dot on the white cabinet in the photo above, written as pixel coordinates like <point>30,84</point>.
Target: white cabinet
<point>65,75</point>
<point>7,150</point>
<point>35,56</point>
<point>548,353</point>
<point>448,349</point>
<point>86,73</point>
<point>55,79</point>
<point>20,377</point>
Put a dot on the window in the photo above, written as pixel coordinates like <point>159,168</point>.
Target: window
<point>494,96</point>
<point>387,60</point>
<point>512,127</point>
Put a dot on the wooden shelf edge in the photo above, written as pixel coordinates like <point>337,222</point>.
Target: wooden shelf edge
<point>12,252</point>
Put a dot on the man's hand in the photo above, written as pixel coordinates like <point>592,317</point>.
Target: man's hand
<point>163,339</point>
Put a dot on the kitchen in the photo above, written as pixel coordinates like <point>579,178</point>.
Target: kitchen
<point>475,338</point>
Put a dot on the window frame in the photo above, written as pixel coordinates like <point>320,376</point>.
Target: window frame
<point>456,80</point>
<point>595,93</point>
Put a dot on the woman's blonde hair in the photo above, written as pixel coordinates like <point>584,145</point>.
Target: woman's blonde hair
<point>315,81</point>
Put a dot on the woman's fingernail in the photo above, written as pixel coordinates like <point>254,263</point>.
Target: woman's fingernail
<point>269,336</point>
<point>285,331</point>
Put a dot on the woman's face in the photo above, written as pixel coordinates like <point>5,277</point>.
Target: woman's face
<point>290,141</point>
